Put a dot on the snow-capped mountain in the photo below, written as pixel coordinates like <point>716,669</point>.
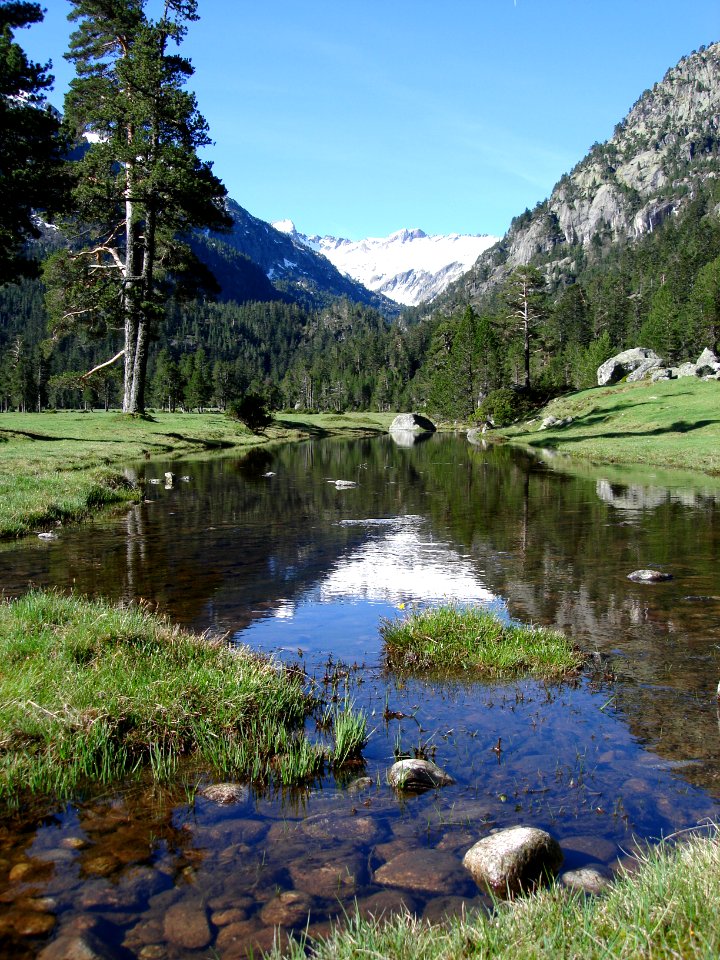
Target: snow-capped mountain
<point>409,266</point>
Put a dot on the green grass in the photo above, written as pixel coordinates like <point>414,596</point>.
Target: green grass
<point>59,467</point>
<point>350,733</point>
<point>92,692</point>
<point>470,639</point>
<point>665,911</point>
<point>672,424</point>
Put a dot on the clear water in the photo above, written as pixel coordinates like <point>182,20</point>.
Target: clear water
<point>293,566</point>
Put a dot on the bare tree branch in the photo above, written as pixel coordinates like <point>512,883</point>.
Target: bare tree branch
<point>101,365</point>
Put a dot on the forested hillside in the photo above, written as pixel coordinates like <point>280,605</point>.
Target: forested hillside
<point>625,252</point>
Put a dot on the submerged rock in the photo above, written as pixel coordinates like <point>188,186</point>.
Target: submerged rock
<point>648,576</point>
<point>414,422</point>
<point>510,861</point>
<point>186,925</point>
<point>77,946</point>
<point>417,775</point>
<point>225,792</point>
<point>288,909</point>
<point>427,870</point>
<point>588,879</point>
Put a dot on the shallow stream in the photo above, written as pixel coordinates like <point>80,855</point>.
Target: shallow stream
<point>266,549</point>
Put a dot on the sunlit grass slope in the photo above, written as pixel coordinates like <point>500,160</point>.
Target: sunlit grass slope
<point>675,423</point>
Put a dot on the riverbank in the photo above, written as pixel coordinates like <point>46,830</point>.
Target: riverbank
<point>60,467</point>
<point>668,424</point>
<point>666,909</point>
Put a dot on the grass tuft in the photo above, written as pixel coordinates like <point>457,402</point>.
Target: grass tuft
<point>453,639</point>
<point>93,692</point>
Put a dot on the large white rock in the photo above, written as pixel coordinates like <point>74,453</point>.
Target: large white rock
<point>624,363</point>
<point>414,422</point>
<point>510,861</point>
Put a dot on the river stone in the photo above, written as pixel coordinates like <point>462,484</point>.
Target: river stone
<point>32,924</point>
<point>223,918</point>
<point>153,951</point>
<point>391,848</point>
<point>596,848</point>
<point>648,576</point>
<point>441,909</point>
<point>431,871</point>
<point>587,879</point>
<point>417,775</point>
<point>511,860</point>
<point>622,364</point>
<point>186,925</point>
<point>386,903</point>
<point>334,878</point>
<point>326,827</point>
<point>74,946</point>
<point>225,792</point>
<point>100,866</point>
<point>106,896</point>
<point>360,784</point>
<point>288,909</point>
<point>413,422</point>
<point>246,939</point>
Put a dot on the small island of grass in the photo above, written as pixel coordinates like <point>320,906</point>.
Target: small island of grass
<point>470,639</point>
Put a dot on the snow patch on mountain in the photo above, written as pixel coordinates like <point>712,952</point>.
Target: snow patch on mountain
<point>409,266</point>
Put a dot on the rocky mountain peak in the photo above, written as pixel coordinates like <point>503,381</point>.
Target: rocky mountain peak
<point>650,168</point>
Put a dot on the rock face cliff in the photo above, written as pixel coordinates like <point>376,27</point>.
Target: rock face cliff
<point>649,170</point>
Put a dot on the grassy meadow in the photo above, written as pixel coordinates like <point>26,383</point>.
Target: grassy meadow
<point>58,467</point>
<point>675,424</point>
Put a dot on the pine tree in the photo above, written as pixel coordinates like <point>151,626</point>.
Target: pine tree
<point>140,185</point>
<point>525,297</point>
<point>31,168</point>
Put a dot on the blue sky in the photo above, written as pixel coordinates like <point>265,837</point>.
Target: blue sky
<point>357,119</point>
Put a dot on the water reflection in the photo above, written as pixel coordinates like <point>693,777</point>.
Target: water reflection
<point>265,548</point>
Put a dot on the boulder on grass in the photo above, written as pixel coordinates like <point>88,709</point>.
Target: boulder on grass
<point>413,422</point>
<point>619,366</point>
<point>514,860</point>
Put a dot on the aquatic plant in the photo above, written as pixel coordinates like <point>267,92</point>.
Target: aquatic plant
<point>350,733</point>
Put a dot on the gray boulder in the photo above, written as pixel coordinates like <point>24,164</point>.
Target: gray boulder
<point>688,370</point>
<point>624,363</point>
<point>413,422</point>
<point>663,373</point>
<point>707,364</point>
<point>510,861</point>
<point>645,369</point>
<point>417,775</point>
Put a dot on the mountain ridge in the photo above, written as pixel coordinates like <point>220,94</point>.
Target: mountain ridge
<point>650,169</point>
<point>409,266</point>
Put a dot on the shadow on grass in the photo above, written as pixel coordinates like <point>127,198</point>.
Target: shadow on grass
<point>679,426</point>
<point>207,443</point>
